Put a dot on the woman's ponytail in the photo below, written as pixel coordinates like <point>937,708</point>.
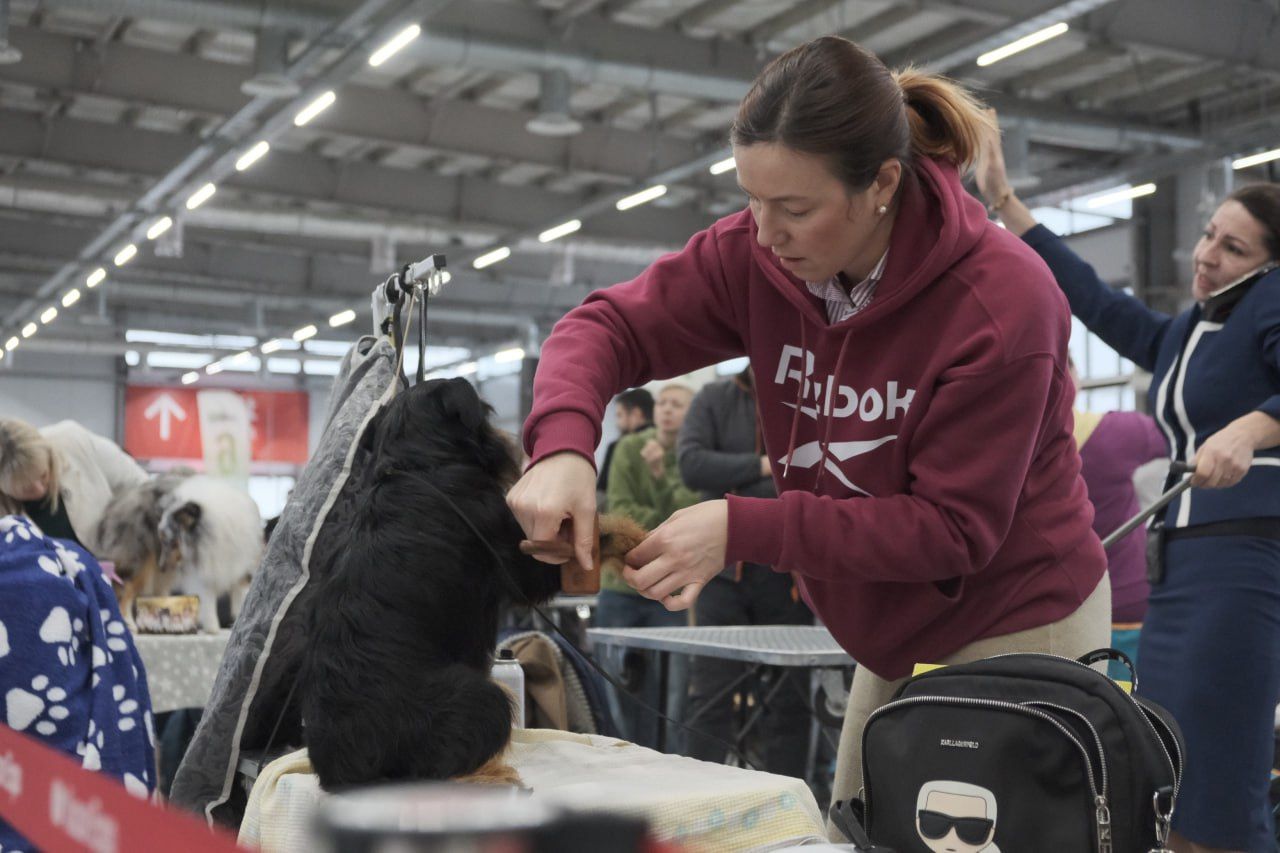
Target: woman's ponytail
<point>946,121</point>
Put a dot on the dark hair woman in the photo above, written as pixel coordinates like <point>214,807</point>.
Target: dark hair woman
<point>1209,644</point>
<point>911,364</point>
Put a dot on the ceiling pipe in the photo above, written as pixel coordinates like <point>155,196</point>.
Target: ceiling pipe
<point>9,54</point>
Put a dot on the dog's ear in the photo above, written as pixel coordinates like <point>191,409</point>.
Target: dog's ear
<point>461,401</point>
<point>187,516</point>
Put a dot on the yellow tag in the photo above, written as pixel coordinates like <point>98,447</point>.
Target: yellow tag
<point>922,668</point>
<point>1126,686</point>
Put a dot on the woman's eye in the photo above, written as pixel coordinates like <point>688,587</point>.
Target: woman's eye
<point>1234,250</point>
<point>796,213</point>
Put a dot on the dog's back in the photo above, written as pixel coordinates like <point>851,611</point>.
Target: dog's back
<point>216,528</point>
<point>394,682</point>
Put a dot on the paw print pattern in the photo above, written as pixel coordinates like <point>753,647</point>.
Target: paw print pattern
<point>128,709</point>
<point>70,560</point>
<point>4,641</point>
<point>57,630</point>
<point>23,708</point>
<point>90,749</point>
<point>15,528</point>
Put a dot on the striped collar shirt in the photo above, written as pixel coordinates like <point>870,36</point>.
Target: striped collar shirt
<point>842,305</point>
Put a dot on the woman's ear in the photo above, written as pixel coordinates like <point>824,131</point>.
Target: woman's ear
<point>887,180</point>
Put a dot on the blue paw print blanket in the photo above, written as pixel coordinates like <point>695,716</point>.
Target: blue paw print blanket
<point>69,673</point>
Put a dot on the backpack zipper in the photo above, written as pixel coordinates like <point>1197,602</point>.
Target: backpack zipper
<point>1103,812</point>
<point>1102,816</point>
<point>1174,771</point>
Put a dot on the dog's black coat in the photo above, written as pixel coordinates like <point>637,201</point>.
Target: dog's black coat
<point>394,678</point>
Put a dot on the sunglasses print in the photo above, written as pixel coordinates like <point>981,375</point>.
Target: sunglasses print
<point>970,830</point>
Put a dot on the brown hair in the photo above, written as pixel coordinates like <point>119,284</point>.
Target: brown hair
<point>1263,203</point>
<point>834,99</point>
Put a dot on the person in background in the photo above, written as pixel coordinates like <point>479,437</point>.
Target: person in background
<point>632,412</point>
<point>62,477</point>
<point>1210,645</point>
<point>721,452</point>
<point>1113,446</point>
<point>911,377</point>
<point>644,483</point>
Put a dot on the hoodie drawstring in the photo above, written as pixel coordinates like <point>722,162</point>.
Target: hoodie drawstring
<point>826,431</point>
<point>795,417</point>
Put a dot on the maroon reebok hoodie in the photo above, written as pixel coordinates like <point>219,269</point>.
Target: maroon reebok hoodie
<point>929,485</point>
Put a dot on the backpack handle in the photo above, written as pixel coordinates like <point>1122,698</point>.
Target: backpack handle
<point>847,817</point>
<point>1100,655</point>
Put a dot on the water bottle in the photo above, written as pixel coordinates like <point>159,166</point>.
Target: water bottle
<point>508,672</point>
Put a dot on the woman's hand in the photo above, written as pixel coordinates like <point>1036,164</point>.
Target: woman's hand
<point>559,488</point>
<point>989,170</point>
<point>1224,459</point>
<point>682,555</point>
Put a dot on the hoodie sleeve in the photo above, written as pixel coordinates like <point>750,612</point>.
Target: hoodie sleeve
<point>964,493</point>
<point>675,317</point>
<point>1124,323</point>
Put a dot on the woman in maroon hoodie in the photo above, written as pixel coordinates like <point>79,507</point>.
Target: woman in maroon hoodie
<point>912,386</point>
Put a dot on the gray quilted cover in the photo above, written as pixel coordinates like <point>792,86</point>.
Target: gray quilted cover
<point>205,779</point>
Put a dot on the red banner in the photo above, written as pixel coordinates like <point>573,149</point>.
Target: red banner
<point>164,423</point>
<point>58,805</point>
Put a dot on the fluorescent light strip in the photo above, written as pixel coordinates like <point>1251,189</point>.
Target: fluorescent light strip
<point>50,314</point>
<point>304,333</point>
<point>641,197</point>
<point>29,330</point>
<point>392,47</point>
<point>560,231</point>
<point>11,344</point>
<point>488,259</point>
<point>71,297</point>
<point>726,165</point>
<point>342,318</point>
<point>272,346</point>
<point>505,355</point>
<point>95,278</point>
<point>1256,159</point>
<point>159,227</point>
<point>213,369</point>
<point>200,196</point>
<point>125,255</point>
<point>1121,195</point>
<point>314,108</point>
<point>1017,46</point>
<point>188,378</point>
<point>253,155</point>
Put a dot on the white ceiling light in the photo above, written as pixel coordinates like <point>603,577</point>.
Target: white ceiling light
<point>50,314</point>
<point>11,344</point>
<point>1121,195</point>
<point>514,354</point>
<point>95,278</point>
<point>1256,159</point>
<point>200,196</point>
<point>314,108</point>
<point>725,165</point>
<point>488,259</point>
<point>304,333</point>
<point>71,297</point>
<point>641,197</point>
<point>213,369</point>
<point>394,46</point>
<point>28,330</point>
<point>125,255</point>
<point>159,227</point>
<point>342,318</point>
<point>560,231</point>
<point>1018,45</point>
<point>272,346</point>
<point>253,155</point>
<point>188,378</point>
<point>466,369</point>
<point>553,118</point>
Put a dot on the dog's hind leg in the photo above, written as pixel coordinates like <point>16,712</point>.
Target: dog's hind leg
<point>495,771</point>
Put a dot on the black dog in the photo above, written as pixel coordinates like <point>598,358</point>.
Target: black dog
<point>394,680</point>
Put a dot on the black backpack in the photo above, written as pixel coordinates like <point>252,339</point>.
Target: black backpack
<point>1016,753</point>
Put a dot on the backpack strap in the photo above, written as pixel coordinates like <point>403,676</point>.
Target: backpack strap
<point>847,816</point>
<point>1099,655</point>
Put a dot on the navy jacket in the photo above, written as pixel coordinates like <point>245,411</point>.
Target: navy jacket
<point>1207,369</point>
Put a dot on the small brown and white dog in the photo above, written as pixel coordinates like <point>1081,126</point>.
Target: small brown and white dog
<point>196,534</point>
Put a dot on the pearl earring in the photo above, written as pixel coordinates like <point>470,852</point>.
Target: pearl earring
<point>882,209</point>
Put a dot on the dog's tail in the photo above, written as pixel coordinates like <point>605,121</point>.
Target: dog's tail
<point>446,722</point>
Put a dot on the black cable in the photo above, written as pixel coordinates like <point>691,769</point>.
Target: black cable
<point>422,333</point>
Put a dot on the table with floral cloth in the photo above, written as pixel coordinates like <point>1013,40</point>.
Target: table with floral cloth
<point>180,667</point>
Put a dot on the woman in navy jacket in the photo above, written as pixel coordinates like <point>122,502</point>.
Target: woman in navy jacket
<point>1210,646</point>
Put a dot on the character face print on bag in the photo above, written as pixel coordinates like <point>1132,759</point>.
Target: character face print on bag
<point>956,817</point>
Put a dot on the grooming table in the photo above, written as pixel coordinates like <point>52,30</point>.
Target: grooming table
<point>697,805</point>
<point>811,647</point>
<point>180,667</point>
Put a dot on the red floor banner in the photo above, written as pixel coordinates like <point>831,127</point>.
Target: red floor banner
<point>58,805</point>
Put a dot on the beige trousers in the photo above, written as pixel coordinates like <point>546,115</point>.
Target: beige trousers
<point>1088,628</point>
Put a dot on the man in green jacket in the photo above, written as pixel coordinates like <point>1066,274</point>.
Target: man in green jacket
<point>644,483</point>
